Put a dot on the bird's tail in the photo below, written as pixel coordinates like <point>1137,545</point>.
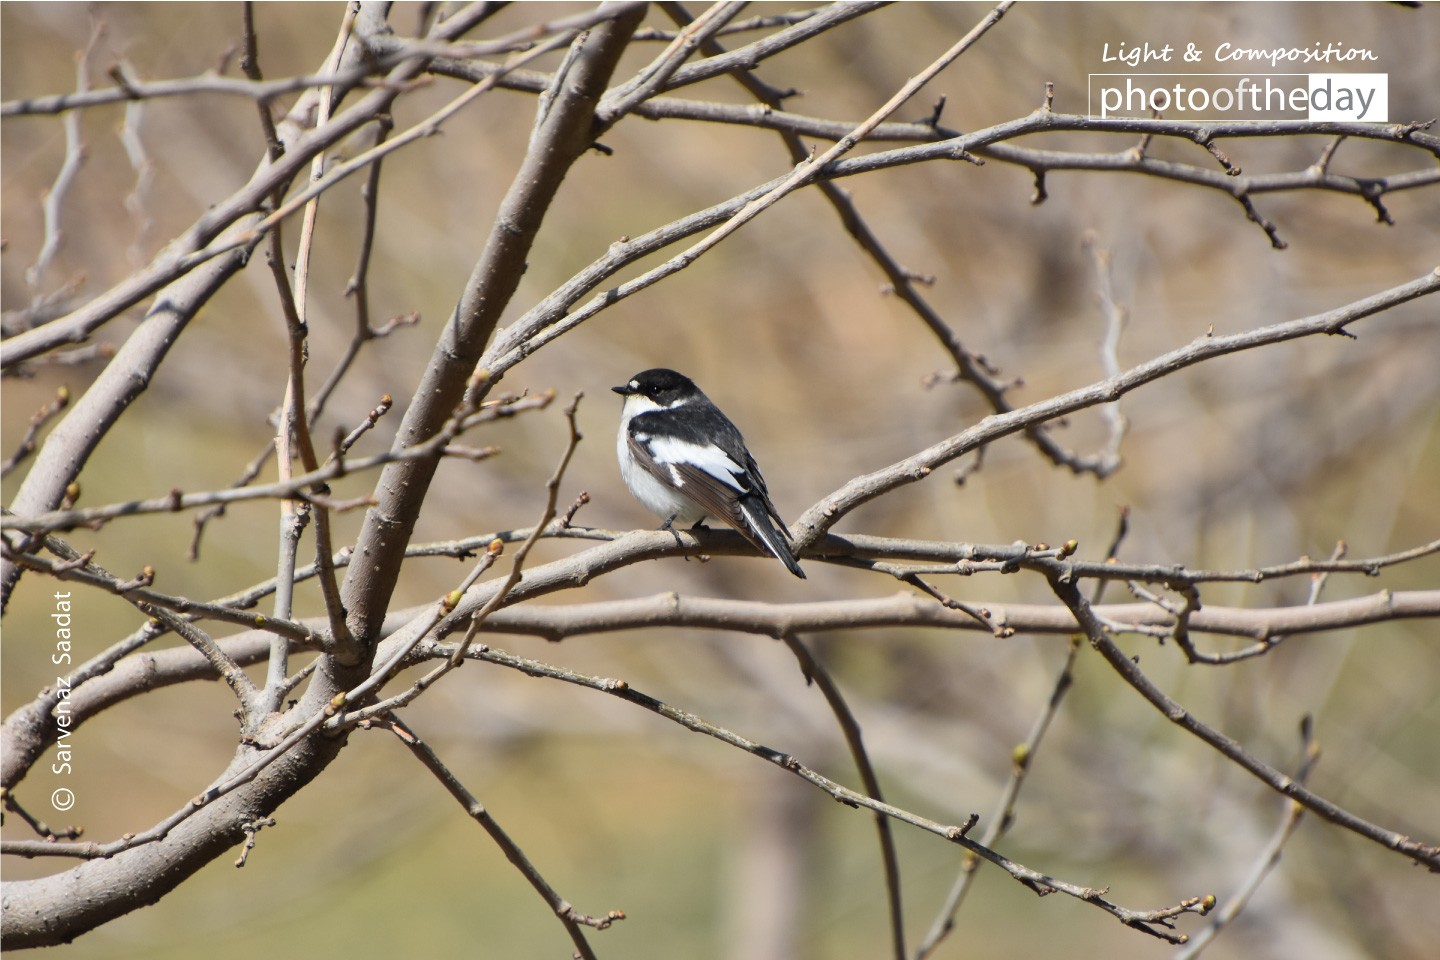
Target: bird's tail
<point>766,535</point>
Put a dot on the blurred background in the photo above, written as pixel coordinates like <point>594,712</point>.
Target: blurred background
<point>1251,460</point>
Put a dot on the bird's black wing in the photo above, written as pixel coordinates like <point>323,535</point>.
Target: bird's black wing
<point>708,463</point>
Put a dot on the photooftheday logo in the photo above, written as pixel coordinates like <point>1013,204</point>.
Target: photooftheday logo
<point>1241,96</point>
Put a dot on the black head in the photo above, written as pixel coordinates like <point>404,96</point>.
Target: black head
<point>662,387</point>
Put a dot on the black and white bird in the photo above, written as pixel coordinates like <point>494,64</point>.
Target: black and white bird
<point>685,461</point>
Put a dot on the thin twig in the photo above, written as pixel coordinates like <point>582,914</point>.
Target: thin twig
<point>32,432</point>
<point>295,422</point>
<point>1154,922</point>
<point>1267,860</point>
<point>1003,816</point>
<point>765,22</point>
<point>76,152</point>
<point>474,621</point>
<point>815,672</point>
<point>357,288</point>
<point>831,509</point>
<point>43,830</point>
<point>144,168</point>
<point>1130,672</point>
<point>132,88</point>
<point>82,569</point>
<point>1117,317</point>
<point>250,64</point>
<point>225,666</point>
<point>552,500</point>
<point>1318,580</point>
<point>746,57</point>
<point>652,79</point>
<point>176,501</point>
<point>572,919</point>
<point>1022,760</point>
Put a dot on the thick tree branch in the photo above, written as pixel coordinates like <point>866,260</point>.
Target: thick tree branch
<point>58,908</point>
<point>565,134</point>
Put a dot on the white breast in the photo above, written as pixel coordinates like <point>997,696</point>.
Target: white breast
<point>660,499</point>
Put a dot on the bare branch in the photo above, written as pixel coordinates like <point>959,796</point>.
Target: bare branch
<point>75,155</point>
<point>1269,857</point>
<point>649,81</point>
<point>764,22</point>
<point>328,674</point>
<point>906,609</point>
<point>385,57</point>
<point>477,812</point>
<point>296,487</point>
<point>821,517</point>
<point>565,135</point>
<point>37,422</point>
<point>137,90</point>
<point>1042,884</point>
<point>1003,816</point>
<point>234,224</point>
<point>40,827</point>
<point>1117,317</point>
<point>816,673</point>
<point>397,659</point>
<point>239,682</point>
<point>1420,852</point>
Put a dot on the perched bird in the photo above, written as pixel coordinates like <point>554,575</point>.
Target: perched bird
<point>685,461</point>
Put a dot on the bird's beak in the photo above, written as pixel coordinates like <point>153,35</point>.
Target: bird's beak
<point>624,391</point>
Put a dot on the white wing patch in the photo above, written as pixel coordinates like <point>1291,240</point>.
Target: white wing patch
<point>670,451</point>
